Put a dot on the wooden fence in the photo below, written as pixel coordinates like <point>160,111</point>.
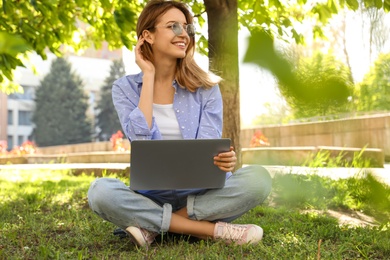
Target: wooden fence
<point>365,131</point>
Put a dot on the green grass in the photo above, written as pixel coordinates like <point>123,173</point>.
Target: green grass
<point>45,215</point>
<point>342,159</point>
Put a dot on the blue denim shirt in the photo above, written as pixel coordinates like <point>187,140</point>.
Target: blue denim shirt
<point>198,113</point>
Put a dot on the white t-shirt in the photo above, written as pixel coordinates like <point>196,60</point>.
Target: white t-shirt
<point>166,121</point>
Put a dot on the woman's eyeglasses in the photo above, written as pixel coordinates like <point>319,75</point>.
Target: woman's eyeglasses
<point>177,28</point>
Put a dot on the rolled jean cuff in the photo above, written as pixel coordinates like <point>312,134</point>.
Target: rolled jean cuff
<point>190,206</point>
<point>166,218</point>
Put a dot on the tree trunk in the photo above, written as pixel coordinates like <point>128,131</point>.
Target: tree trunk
<point>223,58</point>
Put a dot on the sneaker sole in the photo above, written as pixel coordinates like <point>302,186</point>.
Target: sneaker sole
<point>136,236</point>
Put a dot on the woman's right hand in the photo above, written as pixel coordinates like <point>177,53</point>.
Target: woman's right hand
<point>145,65</point>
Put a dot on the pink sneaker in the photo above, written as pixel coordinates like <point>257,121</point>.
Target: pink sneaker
<point>140,236</point>
<point>238,234</point>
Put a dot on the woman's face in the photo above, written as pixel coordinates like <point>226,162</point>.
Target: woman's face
<point>166,42</point>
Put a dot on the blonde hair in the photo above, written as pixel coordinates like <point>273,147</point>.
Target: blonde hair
<point>188,73</point>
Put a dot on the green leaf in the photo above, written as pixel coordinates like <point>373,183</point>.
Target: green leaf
<point>12,44</point>
<point>323,11</point>
<point>4,8</point>
<point>378,3</point>
<point>353,4</point>
<point>372,3</point>
<point>106,4</point>
<point>34,4</point>
<point>125,19</point>
<point>7,69</point>
<point>333,5</point>
<point>386,5</point>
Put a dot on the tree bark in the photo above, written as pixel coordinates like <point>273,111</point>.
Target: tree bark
<point>223,57</point>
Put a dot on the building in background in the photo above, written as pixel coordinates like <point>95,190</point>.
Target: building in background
<point>3,116</point>
<point>16,109</point>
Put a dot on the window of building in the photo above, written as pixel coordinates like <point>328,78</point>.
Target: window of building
<point>24,117</point>
<point>10,117</point>
<point>10,142</point>
<point>27,94</point>
<point>20,140</point>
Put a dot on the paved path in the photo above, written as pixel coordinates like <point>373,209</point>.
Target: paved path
<point>383,174</point>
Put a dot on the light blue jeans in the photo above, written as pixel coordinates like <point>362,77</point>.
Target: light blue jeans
<point>115,202</point>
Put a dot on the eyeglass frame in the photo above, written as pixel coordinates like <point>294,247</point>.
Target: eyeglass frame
<point>177,28</point>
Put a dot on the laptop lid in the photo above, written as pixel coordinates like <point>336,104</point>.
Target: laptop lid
<point>176,164</point>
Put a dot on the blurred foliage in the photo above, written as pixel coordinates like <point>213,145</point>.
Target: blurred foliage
<point>107,120</point>
<point>11,49</point>
<point>374,91</point>
<point>259,140</point>
<point>326,158</point>
<point>28,147</point>
<point>276,113</point>
<point>60,114</point>
<point>59,26</point>
<point>279,18</point>
<point>314,86</point>
<point>117,142</point>
<point>325,82</point>
<point>362,192</point>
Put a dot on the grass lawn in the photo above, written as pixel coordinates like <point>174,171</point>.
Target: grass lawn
<point>45,215</point>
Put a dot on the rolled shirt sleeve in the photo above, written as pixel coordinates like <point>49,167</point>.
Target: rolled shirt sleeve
<point>125,96</point>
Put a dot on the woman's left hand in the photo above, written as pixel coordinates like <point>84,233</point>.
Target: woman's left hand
<point>226,161</point>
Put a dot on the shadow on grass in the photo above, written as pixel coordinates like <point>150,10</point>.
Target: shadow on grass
<point>366,194</point>
<point>47,217</point>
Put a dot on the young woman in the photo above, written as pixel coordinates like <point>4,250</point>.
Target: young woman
<point>173,98</point>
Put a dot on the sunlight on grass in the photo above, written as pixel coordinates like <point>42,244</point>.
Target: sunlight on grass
<point>342,159</point>
<point>365,194</point>
<point>291,239</point>
<point>32,176</point>
<point>45,215</point>
<point>41,185</point>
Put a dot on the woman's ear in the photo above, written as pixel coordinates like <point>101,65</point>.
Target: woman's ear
<point>148,36</point>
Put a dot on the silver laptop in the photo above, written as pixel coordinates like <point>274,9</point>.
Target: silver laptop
<point>176,164</point>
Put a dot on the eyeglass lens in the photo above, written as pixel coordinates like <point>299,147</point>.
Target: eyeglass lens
<point>177,28</point>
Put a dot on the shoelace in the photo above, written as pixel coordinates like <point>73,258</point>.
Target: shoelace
<point>234,232</point>
<point>148,235</point>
